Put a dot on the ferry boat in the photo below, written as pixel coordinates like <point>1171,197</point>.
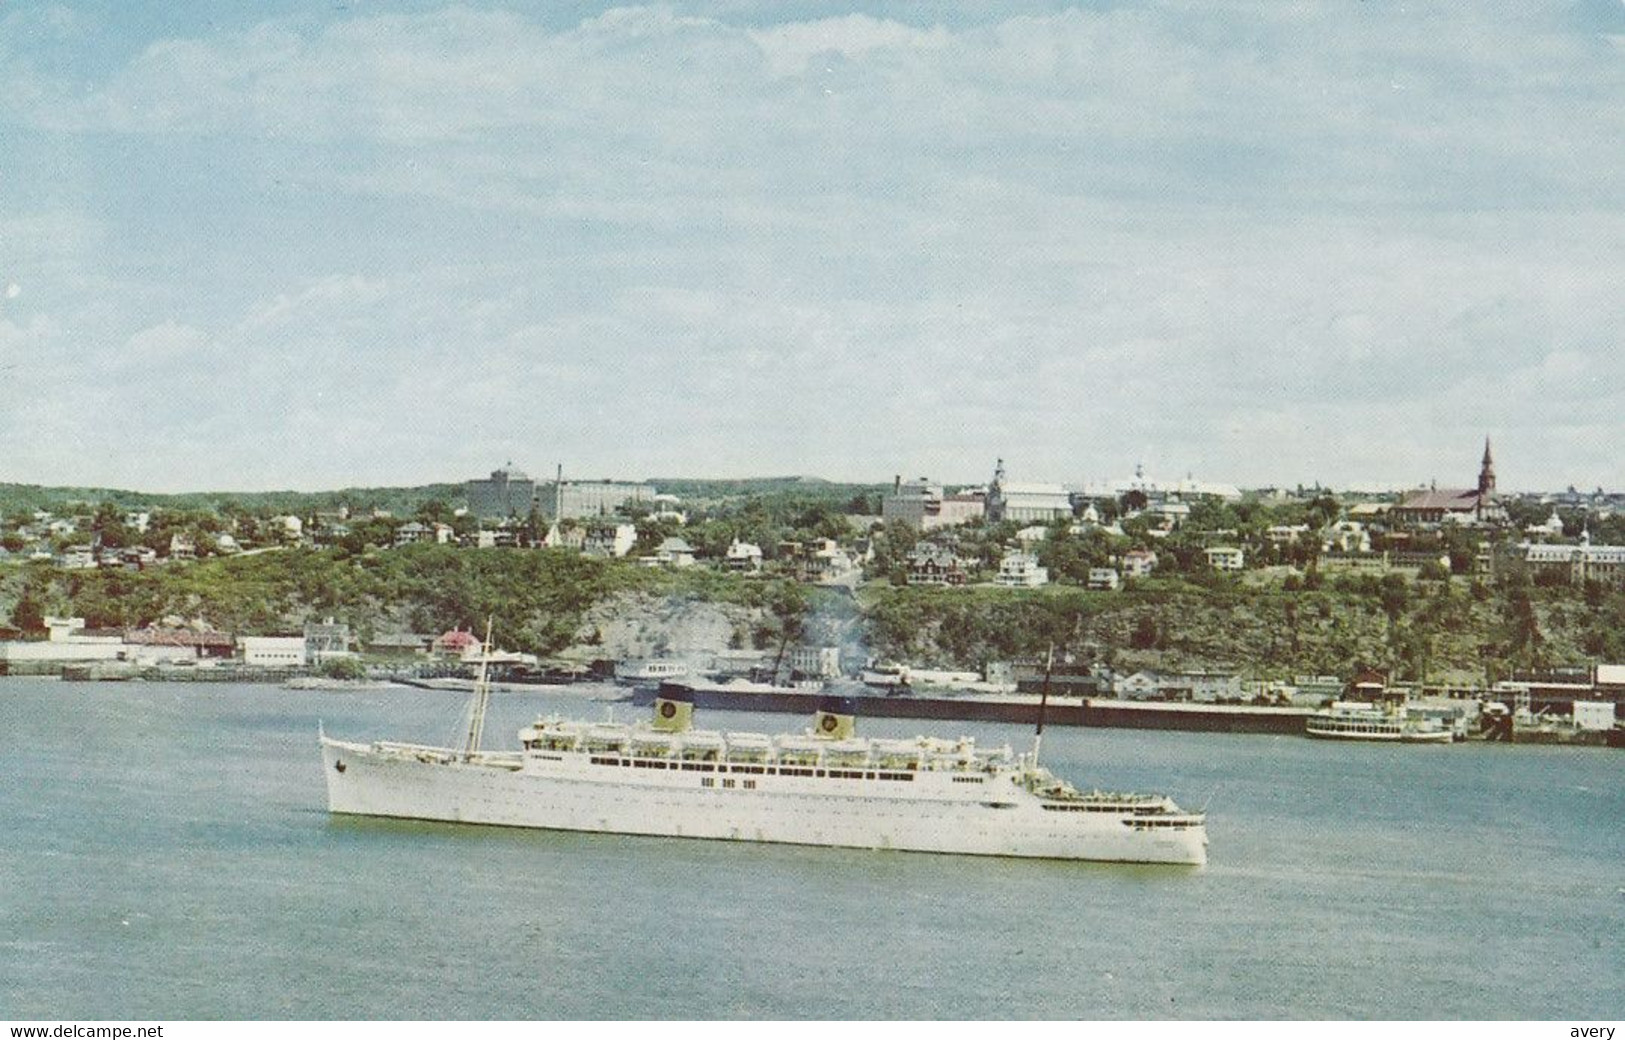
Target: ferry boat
<point>1359,720</point>
<point>825,786</point>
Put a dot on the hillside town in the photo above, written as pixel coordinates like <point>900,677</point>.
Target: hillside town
<point>1137,541</point>
<point>1018,534</point>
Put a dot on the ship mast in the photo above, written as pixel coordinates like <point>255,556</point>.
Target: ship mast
<point>1043,703</point>
<point>482,697</point>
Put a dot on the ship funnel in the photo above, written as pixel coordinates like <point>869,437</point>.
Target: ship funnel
<point>836,718</point>
<point>674,709</point>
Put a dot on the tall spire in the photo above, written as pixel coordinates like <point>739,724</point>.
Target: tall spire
<point>1486,475</point>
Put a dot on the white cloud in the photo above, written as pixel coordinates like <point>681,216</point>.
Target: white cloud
<point>661,241</point>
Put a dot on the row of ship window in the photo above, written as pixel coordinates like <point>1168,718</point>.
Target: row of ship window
<point>707,767</point>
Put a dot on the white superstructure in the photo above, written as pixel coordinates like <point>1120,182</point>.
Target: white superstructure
<point>823,787</point>
<point>1357,720</point>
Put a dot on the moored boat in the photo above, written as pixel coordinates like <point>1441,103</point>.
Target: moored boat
<point>1358,720</point>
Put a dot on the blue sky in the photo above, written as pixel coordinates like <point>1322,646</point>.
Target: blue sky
<point>289,244</point>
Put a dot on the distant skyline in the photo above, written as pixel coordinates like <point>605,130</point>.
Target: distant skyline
<point>312,245</point>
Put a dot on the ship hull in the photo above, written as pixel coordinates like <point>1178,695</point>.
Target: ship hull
<point>513,791</point>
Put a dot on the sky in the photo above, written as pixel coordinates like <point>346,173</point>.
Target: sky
<point>287,244</point>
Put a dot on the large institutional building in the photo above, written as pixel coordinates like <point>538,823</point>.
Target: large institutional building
<point>923,506</point>
<point>508,492</point>
<point>1026,503</point>
<point>577,500</point>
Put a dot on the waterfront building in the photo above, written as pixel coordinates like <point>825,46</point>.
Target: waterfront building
<point>1225,558</point>
<point>1205,687</point>
<point>924,506</point>
<point>1025,502</point>
<point>274,651</point>
<point>816,662</point>
<point>507,492</point>
<point>1021,570</point>
<point>206,644</point>
<point>454,643</point>
<point>326,640</point>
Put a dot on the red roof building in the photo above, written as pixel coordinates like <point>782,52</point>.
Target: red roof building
<point>455,643</point>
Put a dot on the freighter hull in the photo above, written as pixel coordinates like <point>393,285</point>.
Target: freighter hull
<point>928,812</point>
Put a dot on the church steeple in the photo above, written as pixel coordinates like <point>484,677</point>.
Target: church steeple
<point>1486,473</point>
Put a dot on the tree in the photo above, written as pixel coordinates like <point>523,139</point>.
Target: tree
<point>28,614</point>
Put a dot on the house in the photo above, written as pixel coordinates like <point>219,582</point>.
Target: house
<point>1104,579</point>
<point>609,540</point>
<point>824,562</point>
<point>1021,570</point>
<point>673,552</point>
<point>77,558</point>
<point>1137,563</point>
<point>1349,536</point>
<point>412,533</point>
<point>290,528</point>
<point>454,643</point>
<point>1551,527</point>
<point>743,556</point>
<point>1286,534</point>
<point>559,536</point>
<point>1031,536</point>
<point>182,547</point>
<point>932,564</point>
<point>1225,558</point>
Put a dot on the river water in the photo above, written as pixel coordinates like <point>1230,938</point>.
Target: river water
<point>167,854</point>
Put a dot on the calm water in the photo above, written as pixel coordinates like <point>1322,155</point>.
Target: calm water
<point>166,855</point>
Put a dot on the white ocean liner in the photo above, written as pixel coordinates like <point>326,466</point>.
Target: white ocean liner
<point>822,787</point>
